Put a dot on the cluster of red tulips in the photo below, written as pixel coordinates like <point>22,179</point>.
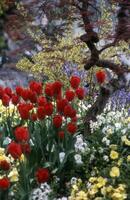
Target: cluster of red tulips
<point>39,102</point>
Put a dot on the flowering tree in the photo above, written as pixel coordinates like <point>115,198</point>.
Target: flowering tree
<point>82,9</point>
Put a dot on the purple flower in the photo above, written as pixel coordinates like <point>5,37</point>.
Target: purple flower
<point>120,99</point>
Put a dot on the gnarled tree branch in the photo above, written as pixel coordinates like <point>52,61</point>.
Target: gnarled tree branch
<point>90,38</point>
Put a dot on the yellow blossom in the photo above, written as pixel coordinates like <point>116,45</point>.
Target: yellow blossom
<point>2,157</point>
<point>13,175</point>
<point>23,158</point>
<point>81,195</point>
<point>114,154</point>
<point>10,158</point>
<point>127,120</point>
<point>93,190</point>
<point>79,182</point>
<point>113,146</point>
<point>103,191</point>
<point>123,138</point>
<point>127,142</point>
<point>128,158</point>
<point>115,172</point>
<point>118,196</point>
<point>109,131</point>
<point>109,189</point>
<point>101,182</point>
<point>121,187</point>
<point>92,179</point>
<point>2,151</point>
<point>75,188</point>
<point>120,161</point>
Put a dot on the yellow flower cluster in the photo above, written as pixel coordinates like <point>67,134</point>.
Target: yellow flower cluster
<point>97,190</point>
<point>125,140</point>
<point>50,61</point>
<point>96,183</point>
<point>6,112</point>
<point>12,172</point>
<point>118,193</point>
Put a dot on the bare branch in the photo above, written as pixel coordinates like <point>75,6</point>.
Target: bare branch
<point>107,46</point>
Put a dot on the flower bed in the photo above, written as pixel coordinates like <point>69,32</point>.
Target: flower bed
<point>44,154</point>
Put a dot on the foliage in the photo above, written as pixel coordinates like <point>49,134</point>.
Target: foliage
<point>5,5</point>
<point>51,60</point>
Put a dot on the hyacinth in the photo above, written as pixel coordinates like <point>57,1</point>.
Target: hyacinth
<point>71,69</point>
<point>120,99</point>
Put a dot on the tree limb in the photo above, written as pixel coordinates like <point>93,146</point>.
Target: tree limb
<point>90,38</point>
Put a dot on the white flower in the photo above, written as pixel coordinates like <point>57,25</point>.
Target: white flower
<point>107,142</point>
<point>118,126</point>
<point>73,180</point>
<point>100,150</point>
<point>61,156</point>
<point>87,150</point>
<point>93,173</point>
<point>88,185</point>
<point>41,193</point>
<point>37,191</point>
<point>104,139</point>
<point>80,145</point>
<point>6,141</point>
<point>62,198</point>
<point>106,158</point>
<point>31,142</point>
<point>92,157</point>
<point>57,179</point>
<point>78,159</point>
<point>124,131</point>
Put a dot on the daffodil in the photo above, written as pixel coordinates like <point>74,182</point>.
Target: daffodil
<point>13,175</point>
